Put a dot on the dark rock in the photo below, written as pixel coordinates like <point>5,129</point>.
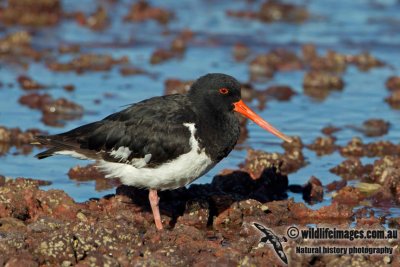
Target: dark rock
<point>331,62</point>
<point>290,161</point>
<point>280,92</point>
<point>69,87</point>
<point>197,214</point>
<point>329,130</point>
<point>313,191</point>
<point>375,127</point>
<point>318,84</point>
<point>336,185</point>
<point>351,169</point>
<point>323,145</point>
<point>356,148</point>
<point>161,55</point>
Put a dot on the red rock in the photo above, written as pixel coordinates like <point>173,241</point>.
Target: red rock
<point>31,12</point>
<point>18,46</point>
<point>273,11</point>
<point>53,110</point>
<point>196,214</point>
<point>21,261</point>
<point>88,62</point>
<point>394,99</point>
<point>97,259</point>
<point>336,185</point>
<point>259,68</point>
<point>97,21</point>
<point>26,83</point>
<point>69,87</point>
<point>118,230</point>
<point>329,130</point>
<point>69,48</point>
<point>309,52</point>
<point>327,213</point>
<point>129,71</point>
<point>393,83</point>
<point>280,92</point>
<point>365,61</point>
<point>161,55</point>
<point>349,196</point>
<point>89,173</point>
<point>15,137</point>
<point>142,10</point>
<point>240,51</point>
<point>178,45</point>
<point>175,86</point>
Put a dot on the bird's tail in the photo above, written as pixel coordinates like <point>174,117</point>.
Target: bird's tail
<point>55,144</point>
<point>44,140</point>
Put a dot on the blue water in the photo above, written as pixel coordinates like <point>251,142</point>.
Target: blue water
<point>344,26</point>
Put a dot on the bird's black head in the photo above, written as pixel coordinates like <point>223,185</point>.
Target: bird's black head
<point>218,95</point>
<point>215,91</point>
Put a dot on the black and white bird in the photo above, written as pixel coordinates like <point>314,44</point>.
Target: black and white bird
<point>163,142</point>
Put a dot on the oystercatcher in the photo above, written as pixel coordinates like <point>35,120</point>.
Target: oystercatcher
<point>163,142</point>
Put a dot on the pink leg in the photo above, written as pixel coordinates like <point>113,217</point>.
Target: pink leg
<point>154,199</point>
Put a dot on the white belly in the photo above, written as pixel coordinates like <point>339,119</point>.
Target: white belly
<point>170,175</point>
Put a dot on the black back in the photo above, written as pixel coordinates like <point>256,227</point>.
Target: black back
<point>155,126</point>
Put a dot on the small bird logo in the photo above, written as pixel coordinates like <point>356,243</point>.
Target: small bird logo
<point>274,240</point>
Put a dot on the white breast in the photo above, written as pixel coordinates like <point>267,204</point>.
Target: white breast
<point>170,175</point>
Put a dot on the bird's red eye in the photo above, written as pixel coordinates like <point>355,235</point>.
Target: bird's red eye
<point>223,91</point>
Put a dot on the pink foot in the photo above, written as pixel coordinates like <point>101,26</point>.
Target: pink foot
<point>154,199</point>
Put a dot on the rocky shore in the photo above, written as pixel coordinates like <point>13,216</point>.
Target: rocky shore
<point>206,225</point>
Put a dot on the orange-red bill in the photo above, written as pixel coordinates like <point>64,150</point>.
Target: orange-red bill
<point>243,109</point>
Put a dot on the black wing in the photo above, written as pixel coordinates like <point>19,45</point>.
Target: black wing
<point>153,126</point>
<point>273,239</point>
